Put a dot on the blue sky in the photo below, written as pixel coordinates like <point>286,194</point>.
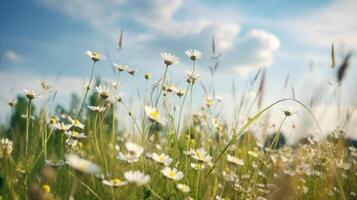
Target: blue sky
<point>46,39</point>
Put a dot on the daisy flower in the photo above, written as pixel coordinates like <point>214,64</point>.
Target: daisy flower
<point>73,143</point>
<point>153,114</point>
<point>97,108</point>
<point>169,59</point>
<point>119,97</point>
<point>133,154</point>
<point>193,54</point>
<point>46,188</point>
<point>162,158</point>
<point>180,92</point>
<point>136,177</point>
<point>12,102</point>
<point>200,155</point>
<point>6,147</point>
<point>62,127</point>
<point>172,173</point>
<point>30,94</point>
<point>120,67</point>
<point>235,160</point>
<point>76,123</point>
<point>75,135</point>
<point>147,76</point>
<point>183,188</point>
<point>191,77</point>
<point>253,153</point>
<point>209,101</point>
<point>102,91</point>
<point>95,56</point>
<point>54,164</point>
<point>114,183</point>
<point>198,166</point>
<point>82,165</point>
<point>133,71</point>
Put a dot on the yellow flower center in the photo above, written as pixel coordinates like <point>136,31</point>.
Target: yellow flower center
<point>116,181</point>
<point>75,133</point>
<point>104,94</point>
<point>172,174</point>
<point>46,188</point>
<point>96,56</point>
<point>77,122</point>
<point>155,115</point>
<point>53,120</point>
<point>162,158</point>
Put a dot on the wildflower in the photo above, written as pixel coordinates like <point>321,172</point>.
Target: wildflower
<point>162,158</point>
<point>46,188</point>
<point>30,94</point>
<point>6,147</point>
<point>152,114</point>
<point>95,56</point>
<point>133,154</point>
<point>169,87</point>
<point>172,173</point>
<point>75,135</point>
<point>12,102</point>
<point>235,160</point>
<point>102,91</point>
<point>200,155</point>
<point>116,85</point>
<point>136,177</point>
<point>82,165</point>
<point>209,101</point>
<point>119,67</point>
<point>193,54</point>
<point>198,166</point>
<point>183,188</point>
<point>97,108</point>
<point>73,143</point>
<point>53,120</point>
<point>54,164</point>
<point>219,197</point>
<point>119,97</point>
<point>76,123</point>
<point>44,85</point>
<point>62,127</point>
<point>180,92</point>
<point>114,183</point>
<point>147,76</point>
<point>191,77</point>
<point>169,59</point>
<point>253,153</point>
<point>132,71</point>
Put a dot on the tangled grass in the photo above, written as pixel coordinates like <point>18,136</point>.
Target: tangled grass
<point>167,152</point>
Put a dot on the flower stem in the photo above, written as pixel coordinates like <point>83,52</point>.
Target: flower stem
<point>162,85</point>
<point>87,89</point>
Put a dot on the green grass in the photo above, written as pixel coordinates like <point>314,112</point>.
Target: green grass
<point>308,170</point>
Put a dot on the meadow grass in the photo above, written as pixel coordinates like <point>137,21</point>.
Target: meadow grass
<point>166,152</point>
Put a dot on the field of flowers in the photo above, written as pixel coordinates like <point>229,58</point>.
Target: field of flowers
<point>169,149</point>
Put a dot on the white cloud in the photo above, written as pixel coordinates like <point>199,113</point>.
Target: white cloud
<point>254,50</point>
<point>225,35</point>
<point>335,23</point>
<point>178,21</point>
<point>12,84</point>
<point>12,56</point>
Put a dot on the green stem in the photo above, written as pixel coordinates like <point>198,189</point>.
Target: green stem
<point>251,120</point>
<point>154,193</point>
<point>162,85</point>
<point>197,182</point>
<point>87,89</point>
